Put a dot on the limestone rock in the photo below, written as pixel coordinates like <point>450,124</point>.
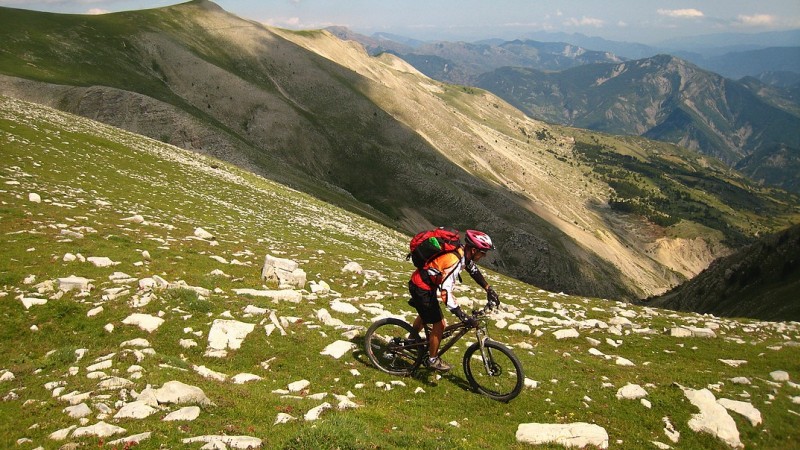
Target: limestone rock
<point>578,434</point>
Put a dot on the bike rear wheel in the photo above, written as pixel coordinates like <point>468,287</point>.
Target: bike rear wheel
<point>495,373</point>
<point>393,346</point>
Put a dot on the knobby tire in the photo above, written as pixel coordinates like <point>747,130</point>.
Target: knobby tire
<point>505,378</point>
<point>387,345</point>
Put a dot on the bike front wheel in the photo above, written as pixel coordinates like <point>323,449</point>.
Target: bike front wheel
<point>393,346</point>
<point>494,372</point>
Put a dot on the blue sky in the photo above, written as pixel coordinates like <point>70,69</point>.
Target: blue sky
<point>628,20</point>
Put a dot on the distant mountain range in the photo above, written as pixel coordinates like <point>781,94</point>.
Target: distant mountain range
<point>661,97</point>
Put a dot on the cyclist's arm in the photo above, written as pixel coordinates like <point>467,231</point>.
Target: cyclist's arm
<point>476,275</point>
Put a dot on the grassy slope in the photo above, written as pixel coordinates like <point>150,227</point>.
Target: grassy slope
<point>72,163</point>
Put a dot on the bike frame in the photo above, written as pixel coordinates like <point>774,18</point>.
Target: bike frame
<point>449,338</point>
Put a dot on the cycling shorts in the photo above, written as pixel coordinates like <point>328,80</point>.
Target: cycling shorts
<point>426,303</point>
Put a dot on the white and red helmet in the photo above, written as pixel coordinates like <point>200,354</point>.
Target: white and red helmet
<point>479,240</point>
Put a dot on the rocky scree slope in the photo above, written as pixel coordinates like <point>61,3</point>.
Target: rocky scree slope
<point>761,280</point>
<point>370,134</point>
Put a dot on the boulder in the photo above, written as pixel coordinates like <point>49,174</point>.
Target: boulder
<point>578,434</point>
<point>283,271</point>
<point>712,418</point>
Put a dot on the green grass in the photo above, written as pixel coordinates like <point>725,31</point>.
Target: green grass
<point>72,163</point>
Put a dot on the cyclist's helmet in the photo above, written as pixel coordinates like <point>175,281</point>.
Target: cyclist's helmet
<point>479,240</point>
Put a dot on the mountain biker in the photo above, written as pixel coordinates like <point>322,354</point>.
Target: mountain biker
<point>441,274</point>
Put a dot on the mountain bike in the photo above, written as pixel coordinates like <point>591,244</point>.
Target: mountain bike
<point>394,347</point>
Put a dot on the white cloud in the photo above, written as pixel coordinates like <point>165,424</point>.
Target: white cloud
<point>583,22</point>
<point>681,13</point>
<point>756,20</point>
<point>96,11</point>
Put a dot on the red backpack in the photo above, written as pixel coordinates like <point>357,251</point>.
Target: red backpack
<point>429,244</point>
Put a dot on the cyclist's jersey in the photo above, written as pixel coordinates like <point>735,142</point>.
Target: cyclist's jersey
<point>443,271</point>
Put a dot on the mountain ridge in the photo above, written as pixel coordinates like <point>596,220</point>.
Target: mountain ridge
<point>272,100</point>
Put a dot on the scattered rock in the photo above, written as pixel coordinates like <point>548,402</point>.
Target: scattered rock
<point>779,375</point>
<point>746,409</point>
<point>187,413</point>
<point>578,434</point>
<point>338,349</point>
<point>238,442</point>
<point>713,418</point>
<point>631,392</point>
<point>144,321</point>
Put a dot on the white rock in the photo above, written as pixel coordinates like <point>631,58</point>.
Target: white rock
<point>187,413</point>
<point>733,362</point>
<point>94,311</point>
<point>286,295</point>
<point>746,409</point>
<point>203,234</point>
<point>78,411</point>
<point>343,307</point>
<point>62,434</point>
<point>298,386</point>
<point>353,267</point>
<point>680,332</point>
<point>319,287</point>
<point>72,282</point>
<point>283,418</point>
<point>338,349</point>
<point>187,343</point>
<point>740,380</point>
<point>569,435</point>
<point>101,261</point>
<point>205,372</point>
<point>228,334</point>
<point>224,441</point>
<point>325,317</point>
<point>132,439</point>
<point>113,383</point>
<point>779,375</point>
<point>27,302</point>
<point>631,392</point>
<point>178,393</point>
<point>242,378</point>
<point>713,418</point>
<point>624,362</point>
<point>314,413</point>
<point>566,333</point>
<point>702,332</point>
<point>145,322</point>
<point>136,218</point>
<point>521,327</point>
<point>100,429</point>
<point>34,197</point>
<point>135,410</point>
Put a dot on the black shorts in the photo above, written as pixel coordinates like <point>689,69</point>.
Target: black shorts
<point>426,303</point>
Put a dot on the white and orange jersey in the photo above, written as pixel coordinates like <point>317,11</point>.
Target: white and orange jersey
<point>442,273</point>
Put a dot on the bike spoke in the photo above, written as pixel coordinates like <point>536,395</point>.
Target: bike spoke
<point>389,348</point>
<point>495,372</point>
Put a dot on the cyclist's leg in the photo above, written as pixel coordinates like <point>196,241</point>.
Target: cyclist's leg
<point>427,306</point>
<point>436,337</point>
